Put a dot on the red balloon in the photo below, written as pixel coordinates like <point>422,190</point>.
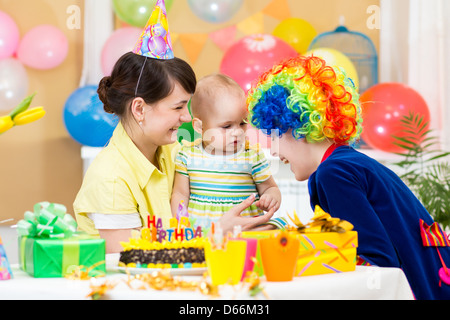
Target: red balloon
<point>251,56</point>
<point>384,106</point>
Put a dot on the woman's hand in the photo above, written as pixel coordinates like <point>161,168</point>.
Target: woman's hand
<point>233,217</point>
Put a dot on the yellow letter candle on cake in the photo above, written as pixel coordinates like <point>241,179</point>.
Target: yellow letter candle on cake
<point>50,246</point>
<point>179,229</point>
<point>327,245</point>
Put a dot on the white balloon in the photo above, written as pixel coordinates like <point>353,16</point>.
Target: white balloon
<point>215,11</point>
<point>13,83</point>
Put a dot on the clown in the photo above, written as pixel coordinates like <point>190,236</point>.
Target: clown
<point>313,113</point>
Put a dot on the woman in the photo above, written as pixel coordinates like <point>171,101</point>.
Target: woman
<point>133,176</point>
<point>315,112</point>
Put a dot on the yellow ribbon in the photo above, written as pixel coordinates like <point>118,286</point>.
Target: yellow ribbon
<point>321,222</point>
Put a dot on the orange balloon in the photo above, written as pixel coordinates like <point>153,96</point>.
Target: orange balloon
<point>384,106</point>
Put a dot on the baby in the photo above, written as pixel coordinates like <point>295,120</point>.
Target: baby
<point>220,170</point>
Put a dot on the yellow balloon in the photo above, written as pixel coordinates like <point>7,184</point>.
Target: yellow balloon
<point>296,32</point>
<point>336,58</point>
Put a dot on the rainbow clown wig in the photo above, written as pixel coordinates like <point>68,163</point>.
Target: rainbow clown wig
<point>316,101</point>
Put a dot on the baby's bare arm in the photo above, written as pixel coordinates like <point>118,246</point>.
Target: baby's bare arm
<point>180,192</point>
<point>269,195</point>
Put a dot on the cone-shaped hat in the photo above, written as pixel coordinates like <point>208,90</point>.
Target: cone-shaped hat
<point>155,40</point>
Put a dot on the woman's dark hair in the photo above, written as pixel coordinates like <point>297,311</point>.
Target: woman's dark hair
<point>156,83</point>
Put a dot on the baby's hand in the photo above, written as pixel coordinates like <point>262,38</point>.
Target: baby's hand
<point>268,202</point>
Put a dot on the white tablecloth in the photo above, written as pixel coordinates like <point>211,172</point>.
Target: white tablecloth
<point>365,283</point>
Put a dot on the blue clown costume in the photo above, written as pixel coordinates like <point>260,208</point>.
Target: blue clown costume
<point>318,102</point>
<point>385,213</point>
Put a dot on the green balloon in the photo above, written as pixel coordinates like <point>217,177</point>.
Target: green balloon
<point>136,12</point>
<point>186,131</point>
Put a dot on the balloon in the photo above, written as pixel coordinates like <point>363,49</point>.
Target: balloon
<point>13,83</point>
<point>136,12</point>
<point>215,11</point>
<point>384,106</point>
<point>43,47</point>
<point>85,119</point>
<point>251,56</point>
<point>9,36</point>
<point>333,58</point>
<point>186,131</point>
<point>119,43</point>
<point>297,32</point>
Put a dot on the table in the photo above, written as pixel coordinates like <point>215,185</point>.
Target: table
<point>365,283</point>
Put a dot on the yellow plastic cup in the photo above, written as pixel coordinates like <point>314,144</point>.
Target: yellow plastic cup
<point>225,266</point>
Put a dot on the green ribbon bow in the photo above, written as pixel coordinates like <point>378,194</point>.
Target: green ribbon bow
<point>49,220</point>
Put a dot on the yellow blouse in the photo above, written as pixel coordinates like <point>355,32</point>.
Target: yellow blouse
<point>121,180</point>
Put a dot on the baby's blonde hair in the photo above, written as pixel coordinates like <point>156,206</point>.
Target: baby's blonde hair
<point>209,90</point>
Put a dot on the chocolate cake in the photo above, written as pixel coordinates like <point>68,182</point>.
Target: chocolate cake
<point>165,256</point>
<point>177,254</point>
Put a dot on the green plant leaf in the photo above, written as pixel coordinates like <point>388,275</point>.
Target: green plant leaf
<point>427,178</point>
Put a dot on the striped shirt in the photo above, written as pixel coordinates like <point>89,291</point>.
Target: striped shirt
<point>219,182</point>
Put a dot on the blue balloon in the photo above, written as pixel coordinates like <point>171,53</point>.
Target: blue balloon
<point>85,119</point>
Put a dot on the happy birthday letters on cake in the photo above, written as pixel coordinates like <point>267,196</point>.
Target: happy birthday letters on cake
<point>179,230</point>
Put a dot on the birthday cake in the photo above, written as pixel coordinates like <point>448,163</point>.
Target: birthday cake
<point>180,246</point>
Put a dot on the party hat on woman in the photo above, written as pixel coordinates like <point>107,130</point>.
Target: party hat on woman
<point>155,40</point>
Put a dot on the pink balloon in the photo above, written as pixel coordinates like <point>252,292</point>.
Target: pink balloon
<point>120,42</point>
<point>9,36</point>
<point>251,56</point>
<point>43,47</point>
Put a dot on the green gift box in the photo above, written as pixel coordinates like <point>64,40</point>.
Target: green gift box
<point>50,247</point>
<point>53,258</point>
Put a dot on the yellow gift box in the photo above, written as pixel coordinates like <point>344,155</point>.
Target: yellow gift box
<point>326,252</point>
<point>327,245</point>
